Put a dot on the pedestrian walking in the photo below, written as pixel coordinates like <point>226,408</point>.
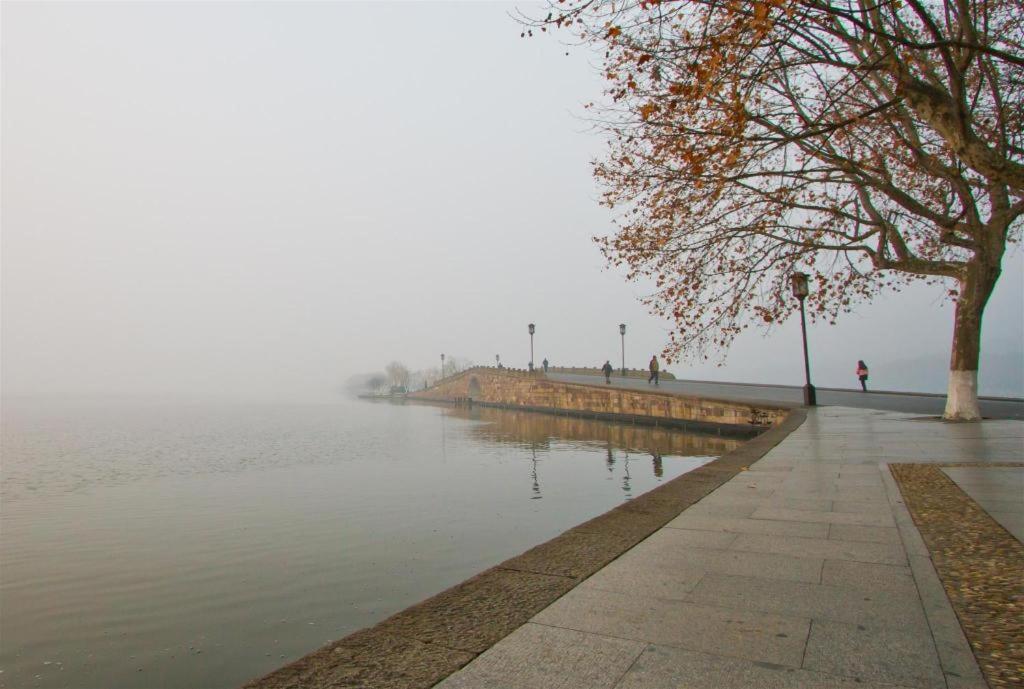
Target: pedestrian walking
<point>862,374</point>
<point>654,371</point>
<point>545,364</point>
<point>607,368</point>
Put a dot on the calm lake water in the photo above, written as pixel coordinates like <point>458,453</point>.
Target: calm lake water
<point>200,546</point>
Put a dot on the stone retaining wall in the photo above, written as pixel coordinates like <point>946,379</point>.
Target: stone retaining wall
<point>535,392</point>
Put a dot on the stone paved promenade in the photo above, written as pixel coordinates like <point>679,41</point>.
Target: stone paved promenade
<point>804,571</point>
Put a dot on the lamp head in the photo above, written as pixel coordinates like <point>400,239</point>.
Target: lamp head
<point>799,282</point>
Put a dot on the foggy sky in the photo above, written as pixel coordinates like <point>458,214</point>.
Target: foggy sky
<point>259,200</point>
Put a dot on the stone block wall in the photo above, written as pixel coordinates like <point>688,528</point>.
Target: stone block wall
<point>532,390</point>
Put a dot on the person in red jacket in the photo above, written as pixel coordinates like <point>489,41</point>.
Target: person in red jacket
<point>862,373</point>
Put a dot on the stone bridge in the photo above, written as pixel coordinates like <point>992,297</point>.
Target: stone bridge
<point>532,390</point>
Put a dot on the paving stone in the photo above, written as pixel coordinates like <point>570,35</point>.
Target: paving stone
<point>763,479</point>
<point>807,468</point>
<point>953,682</point>
<point>755,636</point>
<point>766,565</point>
<point>955,655</point>
<point>813,504</point>
<point>642,577</point>
<point>682,539</point>
<point>540,657</point>
<point>858,470</point>
<point>883,518</point>
<point>859,481</point>
<point>1009,497</point>
<point>850,477</point>
<point>726,507</point>
<point>629,520</point>
<point>783,459</point>
<point>869,576</point>
<point>998,504</point>
<point>476,613</point>
<point>574,554</point>
<point>871,534</point>
<point>736,525</point>
<point>802,482</point>
<point>1012,522</point>
<point>986,477</point>
<point>883,553</point>
<point>879,654</point>
<point>860,506</point>
<point>663,667</point>
<point>876,494</point>
<point>852,605</point>
<point>745,491</point>
<point>368,658</point>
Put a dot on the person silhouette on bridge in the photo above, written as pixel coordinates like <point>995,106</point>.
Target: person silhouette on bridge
<point>545,365</point>
<point>862,374</point>
<point>654,371</point>
<point>607,368</point>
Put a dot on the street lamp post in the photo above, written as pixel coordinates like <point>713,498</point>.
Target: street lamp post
<point>442,366</point>
<point>532,329</point>
<point>799,283</point>
<point>622,332</point>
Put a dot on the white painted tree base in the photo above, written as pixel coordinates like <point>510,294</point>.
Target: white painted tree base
<point>962,397</point>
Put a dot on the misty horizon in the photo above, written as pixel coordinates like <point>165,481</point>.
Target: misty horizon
<point>259,201</point>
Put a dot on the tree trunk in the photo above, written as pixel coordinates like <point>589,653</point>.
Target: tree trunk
<point>975,288</point>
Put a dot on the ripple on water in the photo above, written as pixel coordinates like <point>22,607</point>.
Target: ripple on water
<point>206,545</point>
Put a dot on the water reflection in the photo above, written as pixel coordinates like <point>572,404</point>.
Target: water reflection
<point>541,432</point>
<point>536,481</point>
<point>625,477</point>
<point>140,540</point>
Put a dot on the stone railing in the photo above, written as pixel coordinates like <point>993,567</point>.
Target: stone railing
<point>595,371</point>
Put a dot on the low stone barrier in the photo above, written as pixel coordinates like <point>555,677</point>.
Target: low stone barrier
<point>595,371</point>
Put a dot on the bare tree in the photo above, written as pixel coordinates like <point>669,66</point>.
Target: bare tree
<point>870,144</point>
<point>455,364</point>
<point>398,374</point>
